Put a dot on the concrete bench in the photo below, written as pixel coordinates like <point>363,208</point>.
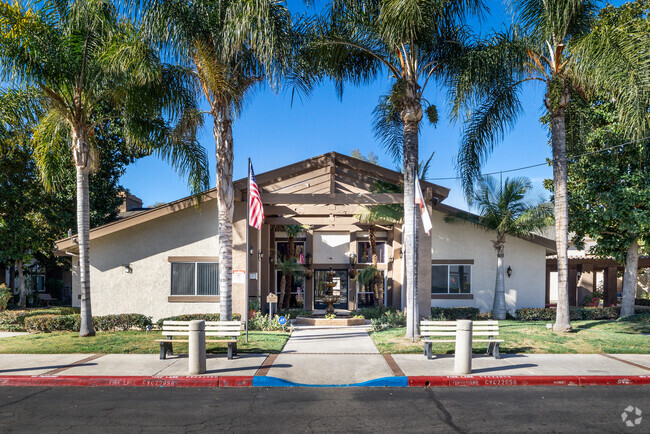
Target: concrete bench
<point>228,331</point>
<point>485,330</point>
<point>47,298</point>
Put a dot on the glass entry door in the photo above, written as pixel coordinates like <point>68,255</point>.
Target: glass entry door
<point>341,288</point>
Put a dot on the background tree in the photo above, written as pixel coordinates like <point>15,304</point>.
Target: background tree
<point>232,46</point>
<point>609,193</point>
<point>415,42</point>
<point>292,231</point>
<point>289,268</point>
<point>82,57</point>
<point>507,208</point>
<point>552,43</point>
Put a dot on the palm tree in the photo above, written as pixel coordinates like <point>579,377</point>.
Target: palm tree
<point>416,43</point>
<point>232,46</point>
<point>292,231</point>
<point>506,209</point>
<point>371,216</point>
<point>289,268</point>
<point>553,44</point>
<point>88,66</point>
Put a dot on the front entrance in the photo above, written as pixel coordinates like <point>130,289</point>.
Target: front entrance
<point>341,288</point>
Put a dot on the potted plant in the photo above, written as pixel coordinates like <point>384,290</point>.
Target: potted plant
<point>253,307</point>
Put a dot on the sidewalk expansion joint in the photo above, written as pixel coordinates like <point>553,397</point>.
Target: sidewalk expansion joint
<point>72,365</point>
<point>626,362</point>
<point>394,367</point>
<point>266,366</point>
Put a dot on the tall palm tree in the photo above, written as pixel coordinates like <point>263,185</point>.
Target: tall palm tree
<point>289,268</point>
<point>552,43</point>
<point>82,57</point>
<point>415,42</point>
<point>506,209</point>
<point>232,46</point>
<point>292,231</point>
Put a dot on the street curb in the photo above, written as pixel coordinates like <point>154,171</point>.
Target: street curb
<point>265,381</point>
<point>528,380</point>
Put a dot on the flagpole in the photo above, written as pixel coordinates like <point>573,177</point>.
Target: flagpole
<point>248,210</point>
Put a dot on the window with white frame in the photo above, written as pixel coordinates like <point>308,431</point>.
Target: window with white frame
<point>195,278</point>
<point>451,279</point>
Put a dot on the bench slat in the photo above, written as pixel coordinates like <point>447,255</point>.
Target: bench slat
<point>487,321</point>
<point>207,323</point>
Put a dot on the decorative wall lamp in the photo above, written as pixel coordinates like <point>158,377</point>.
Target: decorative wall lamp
<point>308,260</point>
<point>127,268</point>
<point>260,254</point>
<point>509,271</point>
<point>353,259</point>
<point>251,250</point>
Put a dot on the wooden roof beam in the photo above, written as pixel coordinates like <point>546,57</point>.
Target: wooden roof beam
<point>336,199</point>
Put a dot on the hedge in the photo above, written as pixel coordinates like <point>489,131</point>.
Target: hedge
<point>13,320</point>
<point>642,301</point>
<point>196,316</point>
<point>454,313</point>
<point>575,313</point>
<point>120,322</point>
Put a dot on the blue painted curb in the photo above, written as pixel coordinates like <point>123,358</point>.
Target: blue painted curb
<point>263,381</point>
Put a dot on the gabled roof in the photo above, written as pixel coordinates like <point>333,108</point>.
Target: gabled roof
<point>328,179</point>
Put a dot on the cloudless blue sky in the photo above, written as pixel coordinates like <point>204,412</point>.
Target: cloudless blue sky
<point>274,133</point>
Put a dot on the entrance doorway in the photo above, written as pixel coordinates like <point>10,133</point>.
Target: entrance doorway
<point>341,288</point>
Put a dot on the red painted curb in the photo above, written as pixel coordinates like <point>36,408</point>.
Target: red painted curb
<point>239,381</point>
<point>133,381</point>
<point>527,380</point>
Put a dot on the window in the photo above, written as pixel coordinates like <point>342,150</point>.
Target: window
<point>451,279</point>
<point>282,248</point>
<point>195,278</point>
<point>364,253</point>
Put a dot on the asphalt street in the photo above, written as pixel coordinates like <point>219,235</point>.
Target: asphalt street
<point>515,409</point>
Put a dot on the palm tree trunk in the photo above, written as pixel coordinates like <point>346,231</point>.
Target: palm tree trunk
<point>558,135</point>
<point>291,253</point>
<point>411,117</point>
<point>222,132</point>
<point>375,260</point>
<point>21,281</point>
<point>83,229</point>
<point>283,284</point>
<point>629,279</point>
<point>499,305</point>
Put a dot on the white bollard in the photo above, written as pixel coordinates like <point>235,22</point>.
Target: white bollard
<point>196,355</point>
<point>463,353</point>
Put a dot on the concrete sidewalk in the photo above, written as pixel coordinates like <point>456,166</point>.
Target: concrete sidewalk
<point>321,356</point>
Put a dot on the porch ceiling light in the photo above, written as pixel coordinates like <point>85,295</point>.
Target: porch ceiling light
<point>127,268</point>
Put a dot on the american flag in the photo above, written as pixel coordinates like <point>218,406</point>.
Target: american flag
<point>255,208</point>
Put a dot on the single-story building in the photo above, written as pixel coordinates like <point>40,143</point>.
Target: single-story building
<point>164,261</point>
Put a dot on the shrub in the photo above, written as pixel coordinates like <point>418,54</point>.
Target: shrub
<point>51,323</point>
<point>642,301</point>
<point>375,312</point>
<point>121,322</point>
<point>639,317</point>
<point>389,319</point>
<point>454,313</point>
<point>5,295</point>
<point>14,320</point>
<point>265,322</point>
<point>293,313</point>
<point>196,316</point>
<point>575,313</point>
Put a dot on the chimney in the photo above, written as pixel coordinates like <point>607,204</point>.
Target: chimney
<point>130,202</point>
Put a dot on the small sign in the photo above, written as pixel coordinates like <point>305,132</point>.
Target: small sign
<point>238,276</point>
<point>282,320</point>
<point>272,298</point>
<point>253,276</point>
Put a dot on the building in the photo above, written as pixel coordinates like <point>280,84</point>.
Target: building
<point>164,261</point>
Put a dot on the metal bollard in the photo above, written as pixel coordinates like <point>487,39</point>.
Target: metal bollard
<point>196,355</point>
<point>463,353</point>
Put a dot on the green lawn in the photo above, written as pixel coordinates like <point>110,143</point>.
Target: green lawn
<point>532,337</point>
<point>131,342</point>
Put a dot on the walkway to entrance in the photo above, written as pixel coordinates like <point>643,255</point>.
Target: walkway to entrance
<point>329,356</point>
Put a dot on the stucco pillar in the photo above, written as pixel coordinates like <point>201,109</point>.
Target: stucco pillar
<point>586,283</point>
<point>611,282</point>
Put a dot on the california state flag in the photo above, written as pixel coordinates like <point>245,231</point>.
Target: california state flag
<point>424,212</point>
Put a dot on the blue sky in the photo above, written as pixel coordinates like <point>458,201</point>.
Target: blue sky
<point>273,133</point>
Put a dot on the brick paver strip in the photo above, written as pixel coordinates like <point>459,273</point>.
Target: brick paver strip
<point>77,363</point>
<point>626,361</point>
<point>397,371</point>
<point>266,366</point>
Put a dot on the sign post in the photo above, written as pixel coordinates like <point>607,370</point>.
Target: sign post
<point>271,299</point>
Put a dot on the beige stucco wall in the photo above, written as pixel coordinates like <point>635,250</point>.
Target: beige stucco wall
<point>146,247</point>
<point>331,247</point>
<point>526,287</point>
